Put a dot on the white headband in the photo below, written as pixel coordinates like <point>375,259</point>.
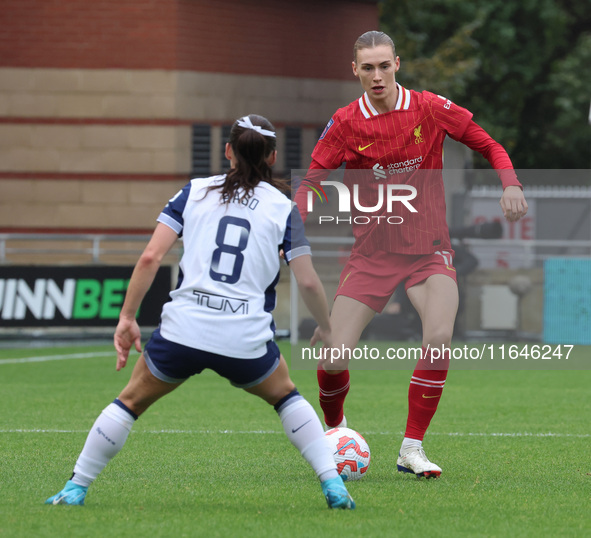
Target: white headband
<point>247,124</point>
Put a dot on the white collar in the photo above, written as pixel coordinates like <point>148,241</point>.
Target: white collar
<point>369,111</point>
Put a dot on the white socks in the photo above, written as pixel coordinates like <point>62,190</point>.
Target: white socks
<point>105,439</point>
<point>407,442</point>
<point>304,430</point>
<point>110,430</point>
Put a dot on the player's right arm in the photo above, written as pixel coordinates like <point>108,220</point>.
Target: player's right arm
<point>328,154</point>
<point>316,173</point>
<point>127,332</point>
<point>167,231</point>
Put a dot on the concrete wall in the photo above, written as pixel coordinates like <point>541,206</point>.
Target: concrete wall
<point>116,155</point>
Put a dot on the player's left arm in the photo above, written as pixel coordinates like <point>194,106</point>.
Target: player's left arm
<point>512,201</point>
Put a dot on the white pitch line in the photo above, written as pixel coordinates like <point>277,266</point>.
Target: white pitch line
<point>516,434</point>
<point>44,358</point>
<point>274,432</point>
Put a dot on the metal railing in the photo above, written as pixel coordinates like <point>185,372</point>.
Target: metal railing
<point>534,251</point>
<point>98,245</point>
<point>101,245</point>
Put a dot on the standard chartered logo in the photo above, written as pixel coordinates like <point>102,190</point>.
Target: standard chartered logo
<point>76,298</point>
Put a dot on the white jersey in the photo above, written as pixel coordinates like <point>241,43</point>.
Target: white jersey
<point>230,266</point>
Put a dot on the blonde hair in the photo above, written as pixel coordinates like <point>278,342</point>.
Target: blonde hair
<point>372,39</point>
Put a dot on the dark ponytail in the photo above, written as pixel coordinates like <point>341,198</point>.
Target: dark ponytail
<point>252,139</point>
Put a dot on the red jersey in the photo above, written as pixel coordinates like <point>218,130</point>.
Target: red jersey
<point>401,147</point>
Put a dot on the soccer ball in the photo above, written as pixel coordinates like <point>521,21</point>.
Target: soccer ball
<point>350,451</point>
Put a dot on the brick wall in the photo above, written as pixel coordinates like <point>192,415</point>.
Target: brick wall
<point>97,98</point>
<point>88,34</point>
<point>265,37</point>
<point>307,38</point>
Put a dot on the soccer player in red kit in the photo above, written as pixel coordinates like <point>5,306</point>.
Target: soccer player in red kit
<point>397,135</point>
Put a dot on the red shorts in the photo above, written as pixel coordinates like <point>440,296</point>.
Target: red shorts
<point>373,279</point>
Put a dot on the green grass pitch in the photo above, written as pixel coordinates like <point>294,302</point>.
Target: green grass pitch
<point>211,460</point>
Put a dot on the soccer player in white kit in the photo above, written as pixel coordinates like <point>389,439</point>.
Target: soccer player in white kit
<point>233,227</point>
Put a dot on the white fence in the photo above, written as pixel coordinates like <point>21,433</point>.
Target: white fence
<point>525,254</point>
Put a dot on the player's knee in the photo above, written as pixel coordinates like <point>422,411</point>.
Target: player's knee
<point>135,399</point>
<point>136,406</point>
<point>282,392</point>
<point>285,401</point>
<point>439,336</point>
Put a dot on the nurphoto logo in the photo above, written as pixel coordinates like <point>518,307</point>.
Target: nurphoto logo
<point>386,199</point>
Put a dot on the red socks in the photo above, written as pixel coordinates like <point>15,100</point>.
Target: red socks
<point>424,393</point>
<point>332,394</point>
